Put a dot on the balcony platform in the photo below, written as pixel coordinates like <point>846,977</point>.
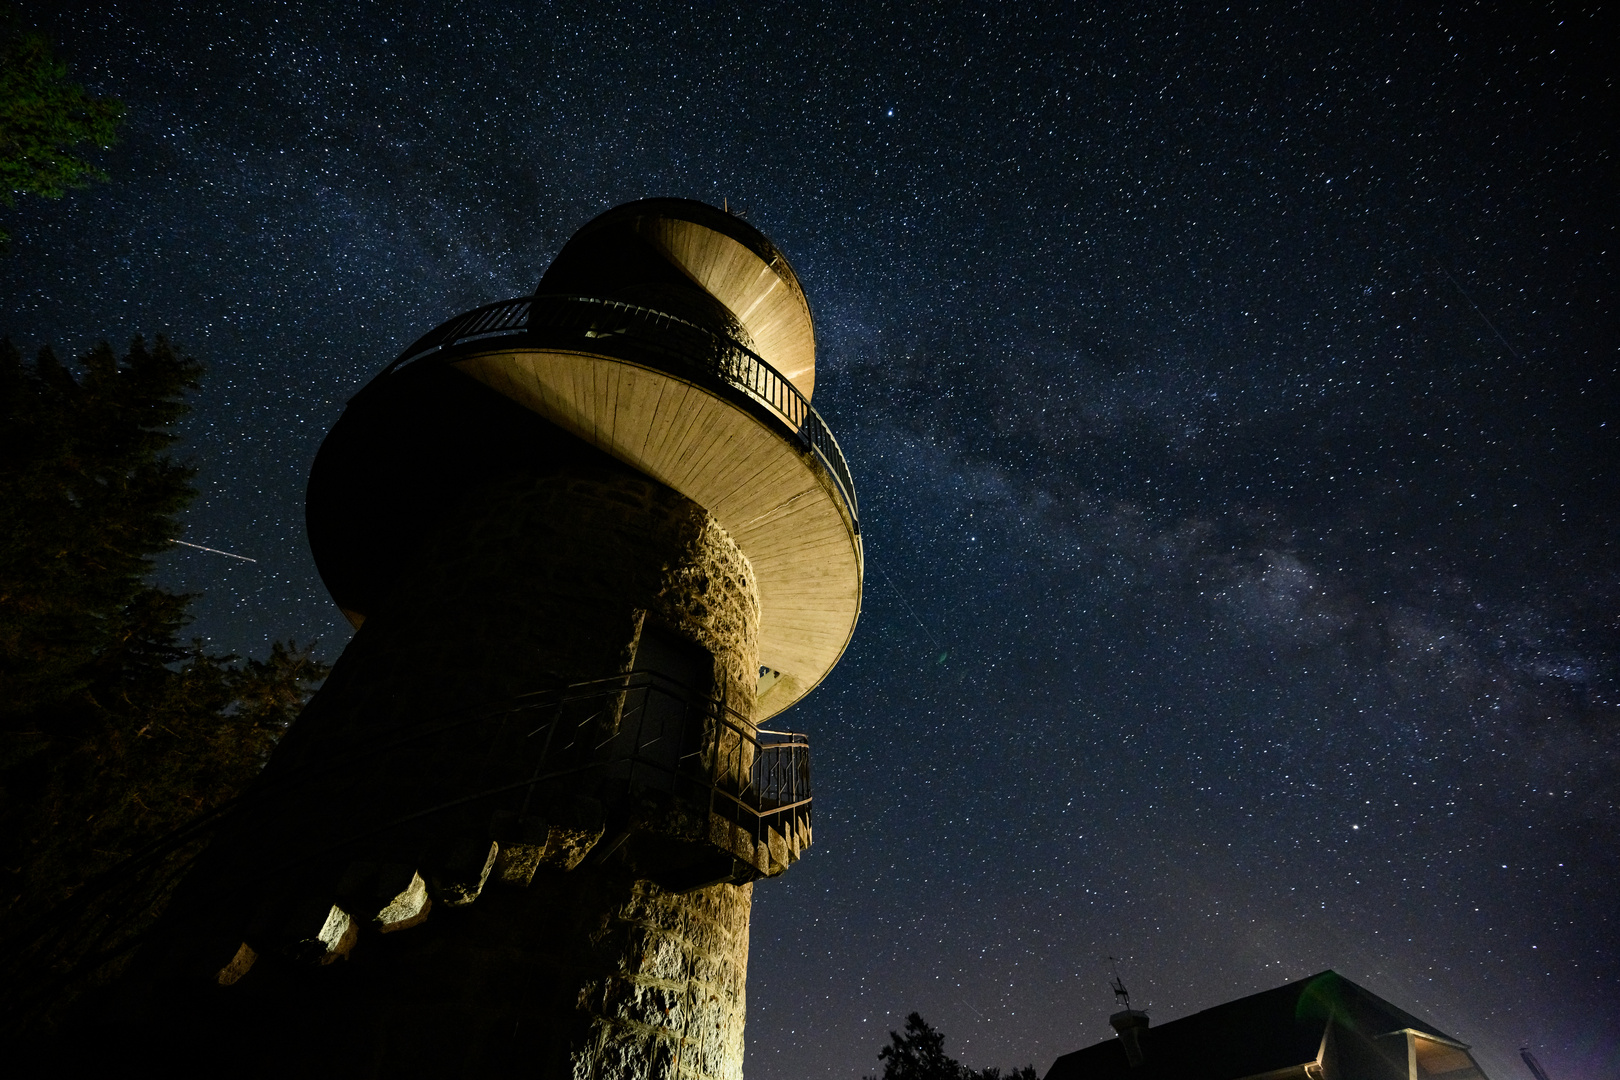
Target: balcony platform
<point>711,420</point>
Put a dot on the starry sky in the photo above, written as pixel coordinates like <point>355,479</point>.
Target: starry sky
<point>1231,395</point>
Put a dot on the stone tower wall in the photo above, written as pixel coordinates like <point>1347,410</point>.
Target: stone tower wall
<point>537,579</point>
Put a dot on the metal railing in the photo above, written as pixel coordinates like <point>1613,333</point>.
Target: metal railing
<point>680,348</point>
<point>622,740</point>
<point>668,738</point>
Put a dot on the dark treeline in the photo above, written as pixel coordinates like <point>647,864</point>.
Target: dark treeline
<point>919,1054</point>
<point>113,729</point>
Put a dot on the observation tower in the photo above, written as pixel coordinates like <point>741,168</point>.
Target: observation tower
<point>592,540</point>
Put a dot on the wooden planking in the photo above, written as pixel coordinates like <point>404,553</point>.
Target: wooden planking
<point>775,314</point>
<point>773,473</point>
<point>755,483</point>
<point>805,528</point>
<point>599,402</point>
<point>640,399</point>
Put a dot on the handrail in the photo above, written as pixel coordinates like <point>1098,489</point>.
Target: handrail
<point>685,343</point>
<point>756,785</point>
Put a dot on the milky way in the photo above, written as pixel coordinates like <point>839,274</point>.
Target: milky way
<point>1232,404</point>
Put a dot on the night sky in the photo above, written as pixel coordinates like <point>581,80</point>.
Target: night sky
<point>1232,401</point>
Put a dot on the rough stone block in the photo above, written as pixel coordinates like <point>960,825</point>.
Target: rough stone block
<point>385,896</point>
<point>560,832</point>
<point>238,966</point>
<point>458,877</point>
<point>323,942</point>
<point>624,1052</point>
<point>655,1004</point>
<point>516,863</point>
<point>404,909</point>
<point>651,953</point>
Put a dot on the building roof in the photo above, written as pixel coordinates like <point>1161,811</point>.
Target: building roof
<point>1269,1032</point>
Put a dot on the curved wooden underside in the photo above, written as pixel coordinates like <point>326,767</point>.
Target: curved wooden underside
<point>776,500</point>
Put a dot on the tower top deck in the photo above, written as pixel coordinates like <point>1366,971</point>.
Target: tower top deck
<point>631,250</point>
<point>669,335</point>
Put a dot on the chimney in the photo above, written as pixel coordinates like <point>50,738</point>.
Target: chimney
<point>1130,1023</point>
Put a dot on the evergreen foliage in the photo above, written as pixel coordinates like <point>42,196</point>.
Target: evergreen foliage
<point>919,1054</point>
<point>112,731</point>
<point>44,119</point>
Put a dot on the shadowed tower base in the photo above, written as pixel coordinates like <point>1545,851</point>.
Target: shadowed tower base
<point>593,971</point>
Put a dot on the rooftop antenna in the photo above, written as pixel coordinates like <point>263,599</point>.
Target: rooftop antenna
<point>1131,1024</point>
<point>1122,996</point>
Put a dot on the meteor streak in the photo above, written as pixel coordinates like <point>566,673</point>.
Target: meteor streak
<point>216,551</point>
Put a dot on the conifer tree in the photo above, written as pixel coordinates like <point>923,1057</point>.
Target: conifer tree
<point>919,1054</point>
<point>112,730</point>
<point>45,119</point>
